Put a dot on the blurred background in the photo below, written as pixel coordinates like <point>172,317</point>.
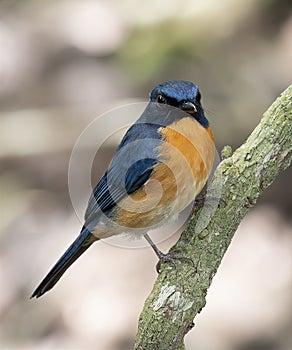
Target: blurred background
<point>63,63</point>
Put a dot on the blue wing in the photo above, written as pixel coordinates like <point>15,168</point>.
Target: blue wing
<point>130,168</point>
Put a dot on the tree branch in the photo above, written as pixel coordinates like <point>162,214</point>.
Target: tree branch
<point>179,294</point>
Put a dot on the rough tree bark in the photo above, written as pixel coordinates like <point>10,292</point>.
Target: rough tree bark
<point>179,294</point>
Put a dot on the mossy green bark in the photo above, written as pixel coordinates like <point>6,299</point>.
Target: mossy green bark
<point>179,294</point>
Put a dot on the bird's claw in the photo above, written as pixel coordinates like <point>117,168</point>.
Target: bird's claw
<point>172,257</point>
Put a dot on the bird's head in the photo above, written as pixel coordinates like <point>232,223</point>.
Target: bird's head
<point>183,95</point>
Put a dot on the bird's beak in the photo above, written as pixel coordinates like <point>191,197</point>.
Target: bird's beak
<point>188,107</point>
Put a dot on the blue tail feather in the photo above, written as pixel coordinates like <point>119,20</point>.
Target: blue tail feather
<point>77,248</point>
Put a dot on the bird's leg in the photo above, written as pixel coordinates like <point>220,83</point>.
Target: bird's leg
<point>154,247</point>
<point>170,256</point>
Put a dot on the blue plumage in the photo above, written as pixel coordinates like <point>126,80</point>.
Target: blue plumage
<point>132,165</point>
<point>176,93</point>
<point>129,169</point>
<point>77,248</point>
<point>178,90</point>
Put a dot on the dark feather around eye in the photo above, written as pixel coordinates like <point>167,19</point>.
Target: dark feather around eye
<point>198,97</point>
<point>161,99</point>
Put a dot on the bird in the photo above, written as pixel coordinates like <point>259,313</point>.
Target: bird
<point>160,166</point>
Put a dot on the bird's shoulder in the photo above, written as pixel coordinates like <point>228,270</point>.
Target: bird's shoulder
<point>129,169</point>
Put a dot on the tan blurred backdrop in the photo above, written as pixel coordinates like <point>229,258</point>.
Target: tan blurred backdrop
<point>63,63</point>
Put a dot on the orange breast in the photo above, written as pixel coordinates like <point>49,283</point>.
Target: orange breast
<point>189,151</point>
<point>186,155</point>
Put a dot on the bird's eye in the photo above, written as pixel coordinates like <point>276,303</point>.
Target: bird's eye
<point>161,99</point>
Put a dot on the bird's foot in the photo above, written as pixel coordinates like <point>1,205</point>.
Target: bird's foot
<point>168,257</point>
<point>172,258</point>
